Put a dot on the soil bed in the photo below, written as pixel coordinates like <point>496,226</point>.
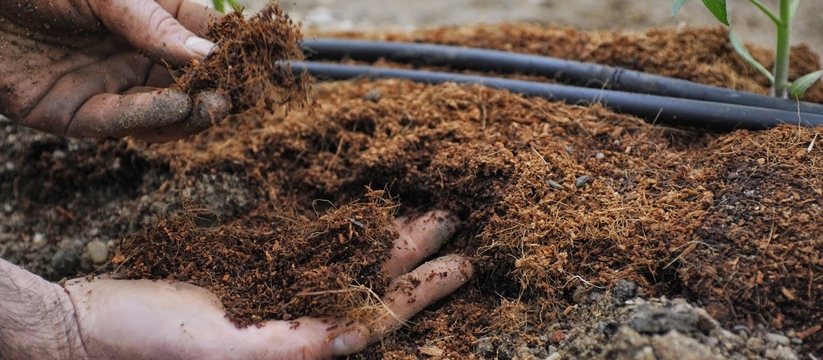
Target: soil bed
<point>729,221</point>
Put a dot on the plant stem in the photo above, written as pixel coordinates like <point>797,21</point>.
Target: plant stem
<point>765,10</point>
<point>781,55</point>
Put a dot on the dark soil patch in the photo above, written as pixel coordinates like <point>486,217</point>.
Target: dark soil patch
<point>731,221</point>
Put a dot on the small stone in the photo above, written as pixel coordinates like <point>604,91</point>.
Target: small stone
<point>623,291</point>
<point>780,353</point>
<point>676,346</point>
<point>755,345</point>
<point>599,156</point>
<point>555,185</point>
<point>579,182</point>
<point>649,319</point>
<point>777,339</point>
<point>8,207</point>
<point>38,239</point>
<point>761,161</point>
<point>373,95</point>
<point>97,251</point>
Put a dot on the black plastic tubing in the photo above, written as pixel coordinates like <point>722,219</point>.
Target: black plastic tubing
<point>574,72</point>
<point>653,108</point>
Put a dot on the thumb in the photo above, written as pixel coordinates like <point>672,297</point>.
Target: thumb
<point>153,28</point>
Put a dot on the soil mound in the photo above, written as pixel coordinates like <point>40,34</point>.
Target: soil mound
<point>562,205</point>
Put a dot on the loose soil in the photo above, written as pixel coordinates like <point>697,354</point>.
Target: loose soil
<point>728,221</point>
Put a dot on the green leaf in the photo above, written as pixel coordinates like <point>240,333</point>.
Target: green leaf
<point>677,5</point>
<point>218,6</point>
<point>744,53</point>
<point>803,83</point>
<point>718,9</point>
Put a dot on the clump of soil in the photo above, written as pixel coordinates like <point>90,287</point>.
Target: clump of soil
<point>266,257</point>
<point>250,63</point>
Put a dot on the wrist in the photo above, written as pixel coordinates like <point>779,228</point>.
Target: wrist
<point>37,318</point>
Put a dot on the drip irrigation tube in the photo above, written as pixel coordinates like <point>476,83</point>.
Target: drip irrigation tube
<point>656,109</point>
<point>577,73</point>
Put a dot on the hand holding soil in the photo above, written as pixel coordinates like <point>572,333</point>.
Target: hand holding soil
<point>100,68</point>
<point>159,319</point>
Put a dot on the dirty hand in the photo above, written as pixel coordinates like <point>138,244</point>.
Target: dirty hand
<point>161,320</point>
<point>98,68</point>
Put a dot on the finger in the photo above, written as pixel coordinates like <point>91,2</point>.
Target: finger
<point>419,238</point>
<point>408,295</point>
<point>209,109</point>
<point>154,30</point>
<point>55,110</point>
<point>192,15</point>
<point>120,115</point>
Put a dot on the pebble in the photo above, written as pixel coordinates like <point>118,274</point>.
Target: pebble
<point>38,239</point>
<point>755,345</point>
<point>676,346</point>
<point>8,207</point>
<point>599,156</point>
<point>555,185</point>
<point>579,182</point>
<point>780,353</point>
<point>777,339</point>
<point>97,251</point>
<point>373,95</point>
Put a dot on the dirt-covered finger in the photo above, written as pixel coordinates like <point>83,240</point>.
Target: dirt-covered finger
<point>408,295</point>
<point>192,15</point>
<point>209,109</point>
<point>121,115</point>
<point>153,30</point>
<point>419,238</point>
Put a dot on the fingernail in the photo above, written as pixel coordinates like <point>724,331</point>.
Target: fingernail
<point>199,45</point>
<point>348,343</point>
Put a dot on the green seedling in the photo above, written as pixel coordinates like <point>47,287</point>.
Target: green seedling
<point>779,78</point>
<point>220,5</point>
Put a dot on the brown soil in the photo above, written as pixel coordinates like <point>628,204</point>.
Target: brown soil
<point>250,62</point>
<point>730,221</point>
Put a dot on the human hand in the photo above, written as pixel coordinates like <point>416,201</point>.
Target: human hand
<point>142,319</point>
<point>98,68</point>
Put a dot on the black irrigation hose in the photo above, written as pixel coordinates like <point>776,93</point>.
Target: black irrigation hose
<point>657,109</point>
<point>574,72</point>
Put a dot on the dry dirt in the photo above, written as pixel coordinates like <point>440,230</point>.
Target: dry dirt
<point>730,222</point>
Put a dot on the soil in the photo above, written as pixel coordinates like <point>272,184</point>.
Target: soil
<point>593,234</point>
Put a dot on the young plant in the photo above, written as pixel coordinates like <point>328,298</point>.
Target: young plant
<point>220,5</point>
<point>783,21</point>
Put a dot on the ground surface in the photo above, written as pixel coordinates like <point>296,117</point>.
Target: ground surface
<point>728,221</point>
